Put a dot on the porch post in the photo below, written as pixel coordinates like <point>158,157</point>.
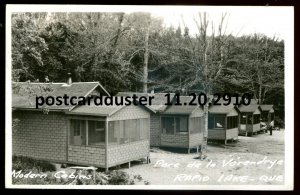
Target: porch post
<point>68,138</point>
<point>246,124</point>
<point>188,138</point>
<point>174,123</point>
<point>87,132</point>
<point>106,145</point>
<point>225,127</point>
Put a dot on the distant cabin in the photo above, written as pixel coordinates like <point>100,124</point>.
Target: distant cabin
<point>267,114</point>
<point>250,118</point>
<point>175,126</point>
<point>101,136</point>
<point>223,122</point>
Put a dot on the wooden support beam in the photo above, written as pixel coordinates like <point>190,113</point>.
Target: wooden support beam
<point>106,144</point>
<point>87,132</point>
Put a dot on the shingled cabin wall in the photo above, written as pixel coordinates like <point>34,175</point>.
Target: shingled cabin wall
<point>40,136</point>
<point>155,130</point>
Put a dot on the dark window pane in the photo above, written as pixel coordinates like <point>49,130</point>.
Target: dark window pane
<point>177,123</point>
<point>168,125</point>
<point>250,119</point>
<point>219,122</point>
<point>243,119</point>
<point>183,126</point>
<point>96,136</point>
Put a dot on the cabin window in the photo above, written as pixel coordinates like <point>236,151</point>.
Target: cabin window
<point>172,125</point>
<point>216,121</point>
<point>168,125</point>
<point>249,119</point>
<point>87,132</point>
<point>232,122</point>
<point>219,122</point>
<point>126,131</point>
<point>96,133</point>
<point>77,126</point>
<point>181,124</point>
<point>243,119</point>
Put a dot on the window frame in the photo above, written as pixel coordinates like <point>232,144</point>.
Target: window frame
<point>232,122</point>
<point>77,124</point>
<point>214,116</point>
<point>174,119</point>
<point>86,132</point>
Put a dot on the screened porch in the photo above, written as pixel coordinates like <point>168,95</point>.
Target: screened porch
<point>250,123</point>
<point>222,127</point>
<point>92,133</point>
<point>104,143</point>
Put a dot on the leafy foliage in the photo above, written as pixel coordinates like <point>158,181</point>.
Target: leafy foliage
<point>110,48</point>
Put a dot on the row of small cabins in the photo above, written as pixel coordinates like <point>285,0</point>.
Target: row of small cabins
<point>106,136</point>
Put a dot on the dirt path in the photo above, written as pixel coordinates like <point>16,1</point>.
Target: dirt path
<point>250,160</point>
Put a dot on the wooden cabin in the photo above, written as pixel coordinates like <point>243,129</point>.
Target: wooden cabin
<point>223,122</point>
<point>101,136</point>
<point>182,126</point>
<point>249,119</point>
<point>267,114</point>
<point>115,134</point>
<point>174,126</point>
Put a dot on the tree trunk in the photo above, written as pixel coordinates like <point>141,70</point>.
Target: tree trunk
<point>259,93</point>
<point>146,58</point>
<point>116,38</point>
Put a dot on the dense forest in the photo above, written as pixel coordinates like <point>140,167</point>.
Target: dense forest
<point>137,52</point>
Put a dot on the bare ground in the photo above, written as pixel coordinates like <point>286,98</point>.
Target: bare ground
<point>263,153</point>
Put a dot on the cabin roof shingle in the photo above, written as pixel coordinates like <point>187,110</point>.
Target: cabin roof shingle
<point>24,94</point>
<point>249,108</point>
<point>224,109</point>
<point>181,109</point>
<point>158,103</point>
<point>95,110</point>
<point>266,107</point>
<point>221,109</point>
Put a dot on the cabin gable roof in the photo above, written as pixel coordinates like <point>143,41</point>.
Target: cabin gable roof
<point>24,93</point>
<point>266,107</point>
<point>158,102</point>
<point>185,108</point>
<point>251,108</point>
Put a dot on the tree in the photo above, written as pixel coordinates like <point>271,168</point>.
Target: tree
<point>207,60</point>
<point>27,46</point>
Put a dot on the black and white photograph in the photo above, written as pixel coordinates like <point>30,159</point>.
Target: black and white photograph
<point>149,97</point>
